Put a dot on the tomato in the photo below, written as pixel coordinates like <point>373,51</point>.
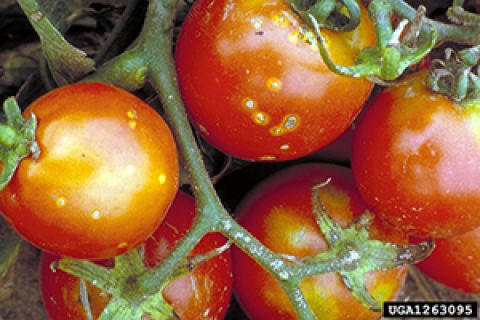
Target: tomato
<point>455,262</point>
<point>415,158</point>
<point>257,88</point>
<point>61,293</point>
<point>106,174</point>
<point>278,212</point>
<point>203,293</point>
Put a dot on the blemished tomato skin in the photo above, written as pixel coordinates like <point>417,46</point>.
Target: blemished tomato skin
<point>256,86</point>
<point>60,293</point>
<point>455,262</point>
<point>204,293</point>
<point>278,212</point>
<point>106,175</point>
<point>415,157</point>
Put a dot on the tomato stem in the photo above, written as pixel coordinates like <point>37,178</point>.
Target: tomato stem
<point>462,34</point>
<point>127,70</point>
<point>330,13</point>
<point>381,12</point>
<point>211,215</point>
<point>128,301</point>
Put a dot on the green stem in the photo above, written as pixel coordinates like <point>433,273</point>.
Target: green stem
<point>285,273</point>
<point>154,278</point>
<point>156,38</point>
<point>163,78</point>
<point>446,32</point>
<point>298,301</point>
<point>127,70</point>
<point>322,9</point>
<point>470,56</point>
<point>354,15</point>
<point>381,13</point>
<point>211,216</point>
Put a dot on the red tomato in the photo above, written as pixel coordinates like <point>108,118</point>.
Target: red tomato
<point>256,86</point>
<point>278,212</point>
<point>204,293</point>
<point>106,175</point>
<point>415,157</point>
<point>61,293</point>
<point>455,262</point>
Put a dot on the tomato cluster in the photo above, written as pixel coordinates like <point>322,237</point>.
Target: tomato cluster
<point>107,178</point>
<point>204,292</point>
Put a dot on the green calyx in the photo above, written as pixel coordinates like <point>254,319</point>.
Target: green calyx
<point>17,140</point>
<point>397,49</point>
<point>456,76</point>
<point>130,301</point>
<point>354,253</point>
<point>338,15</point>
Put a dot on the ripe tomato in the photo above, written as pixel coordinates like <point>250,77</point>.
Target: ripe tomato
<point>278,212</point>
<point>455,262</point>
<point>61,293</point>
<point>106,175</point>
<point>415,158</point>
<point>204,293</point>
<point>257,88</point>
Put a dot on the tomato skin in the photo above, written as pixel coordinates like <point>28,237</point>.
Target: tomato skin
<point>257,88</point>
<point>106,175</point>
<point>61,292</point>
<point>414,158</point>
<point>204,293</point>
<point>455,262</point>
<point>278,212</point>
<point>210,297</point>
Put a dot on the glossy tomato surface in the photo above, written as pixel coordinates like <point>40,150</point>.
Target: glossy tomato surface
<point>279,213</point>
<point>203,293</point>
<point>256,86</point>
<point>415,157</point>
<point>455,262</point>
<point>61,293</point>
<point>106,174</point>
